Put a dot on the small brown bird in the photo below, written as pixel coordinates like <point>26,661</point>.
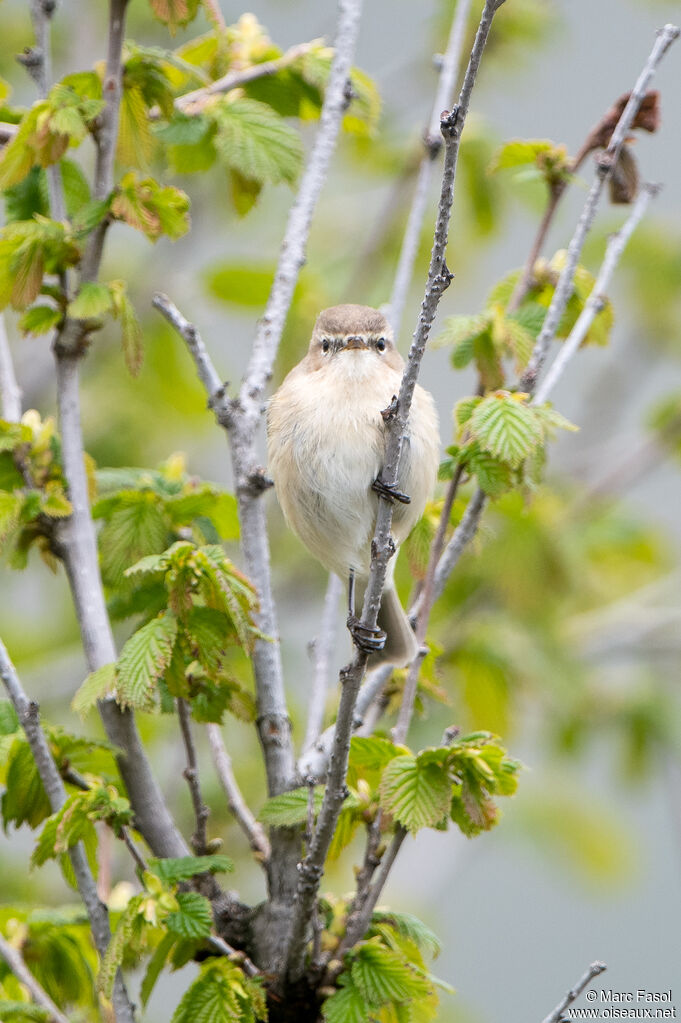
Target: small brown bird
<point>326,446</point>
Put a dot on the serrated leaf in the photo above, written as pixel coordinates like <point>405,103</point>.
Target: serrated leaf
<point>143,660</point>
<point>460,333</point>
<point>183,130</point>
<point>135,143</point>
<point>256,142</point>
<point>369,755</point>
<point>193,919</point>
<point>183,868</point>
<point>220,994</point>
<point>39,319</point>
<point>506,427</point>
<point>89,215</point>
<point>417,795</point>
<point>346,1005</point>
<point>175,13</point>
<point>93,299</point>
<point>494,477</point>
<point>383,976</point>
<point>411,927</point>
<point>24,799</point>
<point>290,808</point>
<point>94,688</point>
<point>518,152</point>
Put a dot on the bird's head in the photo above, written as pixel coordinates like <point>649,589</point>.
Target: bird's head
<point>353,339</point>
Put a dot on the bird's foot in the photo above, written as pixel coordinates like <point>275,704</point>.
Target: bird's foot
<point>390,491</point>
<point>368,640</point>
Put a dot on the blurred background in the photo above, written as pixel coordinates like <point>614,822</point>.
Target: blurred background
<point>560,630</point>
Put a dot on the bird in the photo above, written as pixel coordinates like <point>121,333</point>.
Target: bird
<point>326,447</point>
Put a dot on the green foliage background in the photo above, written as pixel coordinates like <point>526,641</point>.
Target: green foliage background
<point>559,631</point>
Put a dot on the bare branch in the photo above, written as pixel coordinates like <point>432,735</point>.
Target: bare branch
<point>199,840</point>
<point>28,714</point>
<point>557,1015</point>
<point>449,73</point>
<point>604,165</point>
<point>596,300</point>
<point>38,62</point>
<point>321,649</point>
<point>15,961</point>
<point>254,831</point>
<point>314,762</point>
<point>10,392</point>
<point>383,548</point>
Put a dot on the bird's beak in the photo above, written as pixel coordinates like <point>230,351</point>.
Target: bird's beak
<point>355,342</point>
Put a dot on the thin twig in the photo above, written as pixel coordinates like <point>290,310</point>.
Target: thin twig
<point>239,958</point>
<point>439,277</point>
<point>314,762</point>
<point>322,649</point>
<point>557,1015</point>
<point>41,71</point>
<point>253,829</point>
<point>432,140</point>
<point>10,392</point>
<point>596,299</point>
<point>193,102</point>
<point>214,14</point>
<point>199,840</point>
<point>605,163</point>
<point>29,717</point>
<point>15,961</point>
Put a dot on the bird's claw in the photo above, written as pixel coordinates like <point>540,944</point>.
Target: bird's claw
<point>390,491</point>
<point>368,640</point>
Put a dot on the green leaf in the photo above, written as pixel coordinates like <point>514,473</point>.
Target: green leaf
<point>19,1012</point>
<point>24,799</point>
<point>94,688</point>
<point>89,215</point>
<point>156,964</point>
<point>290,808</point>
<point>28,197</point>
<point>506,427</point>
<point>76,187</point>
<point>93,299</point>
<point>39,319</point>
<point>418,795</point>
<point>183,130</point>
<point>493,476</point>
<point>518,152</point>
<point>193,919</point>
<point>151,208</point>
<point>220,994</point>
<point>241,285</point>
<point>172,871</point>
<point>135,143</point>
<point>383,976</point>
<point>256,142</point>
<point>346,1005</point>
<point>460,333</point>
<point>369,756</point>
<point>143,660</point>
<point>410,927</point>
<point>175,13</point>
<point>9,720</point>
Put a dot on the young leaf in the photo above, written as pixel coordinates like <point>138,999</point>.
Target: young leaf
<point>418,795</point>
<point>156,964</point>
<point>172,871</point>
<point>411,927</point>
<point>506,427</point>
<point>143,660</point>
<point>94,688</point>
<point>383,976</point>
<point>193,919</point>
<point>220,994</point>
<point>290,808</point>
<point>93,299</point>
<point>256,142</point>
<point>39,319</point>
<point>175,13</point>
<point>347,1004</point>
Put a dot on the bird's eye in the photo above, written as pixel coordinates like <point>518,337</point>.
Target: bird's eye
<point>380,344</point>
<point>325,345</point>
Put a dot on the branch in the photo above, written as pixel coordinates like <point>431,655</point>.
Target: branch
<point>15,961</point>
<point>396,417</point>
<point>254,831</point>
<point>596,300</point>
<point>38,62</point>
<point>239,958</point>
<point>314,762</point>
<point>28,714</point>
<point>199,840</point>
<point>10,392</point>
<point>193,102</point>
<point>605,163</point>
<point>321,649</point>
<point>557,1015</point>
<point>432,140</point>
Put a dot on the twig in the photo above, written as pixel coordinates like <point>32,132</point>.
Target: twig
<point>239,958</point>
<point>254,831</point>
<point>10,392</point>
<point>199,840</point>
<point>192,102</point>
<point>557,1015</point>
<point>605,163</point>
<point>372,860</point>
<point>28,714</point>
<point>357,927</point>
<point>15,961</point>
<point>322,648</point>
<point>383,548</point>
<point>432,140</point>
<point>314,762</point>
<point>596,299</point>
<point>38,62</point>
<point>214,14</point>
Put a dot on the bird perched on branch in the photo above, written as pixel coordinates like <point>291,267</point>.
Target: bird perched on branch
<point>326,446</point>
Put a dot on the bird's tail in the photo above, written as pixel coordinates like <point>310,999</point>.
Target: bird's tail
<point>400,644</point>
